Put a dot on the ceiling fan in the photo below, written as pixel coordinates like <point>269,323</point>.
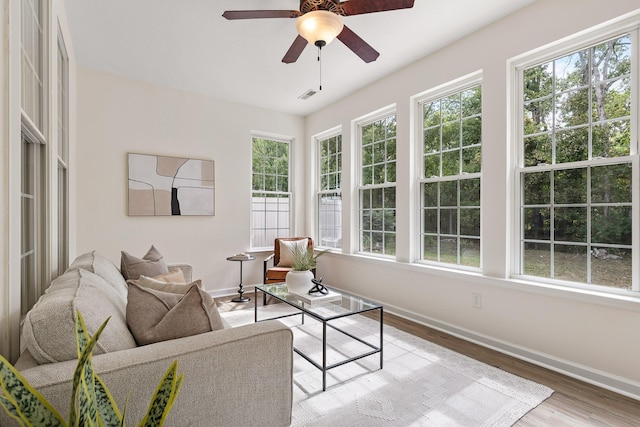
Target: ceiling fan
<point>320,21</point>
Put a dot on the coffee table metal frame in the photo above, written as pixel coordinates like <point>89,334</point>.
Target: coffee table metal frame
<point>282,295</point>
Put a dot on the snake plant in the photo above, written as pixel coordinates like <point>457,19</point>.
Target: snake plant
<point>91,403</point>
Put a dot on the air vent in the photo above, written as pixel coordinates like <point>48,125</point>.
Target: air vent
<point>307,94</point>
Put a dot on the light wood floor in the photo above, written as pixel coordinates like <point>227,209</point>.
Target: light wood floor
<point>573,403</point>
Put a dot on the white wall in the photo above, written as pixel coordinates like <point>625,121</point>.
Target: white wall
<point>585,335</point>
<point>117,116</point>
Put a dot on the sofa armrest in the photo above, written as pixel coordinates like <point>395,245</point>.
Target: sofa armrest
<point>228,374</point>
<point>187,270</point>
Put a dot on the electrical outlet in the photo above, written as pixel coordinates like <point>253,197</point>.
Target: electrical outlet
<point>476,300</point>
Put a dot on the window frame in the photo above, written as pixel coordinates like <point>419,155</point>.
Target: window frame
<point>34,99</point>
<point>453,87</point>
<point>318,140</point>
<point>33,223</point>
<point>516,67</point>
<point>35,146</point>
<point>62,177</point>
<point>358,125</point>
<point>289,194</point>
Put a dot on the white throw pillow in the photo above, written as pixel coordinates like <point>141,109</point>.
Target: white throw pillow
<point>288,248</point>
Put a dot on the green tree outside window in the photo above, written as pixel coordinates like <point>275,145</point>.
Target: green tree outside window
<point>378,191</point>
<point>576,175</point>
<point>450,204</point>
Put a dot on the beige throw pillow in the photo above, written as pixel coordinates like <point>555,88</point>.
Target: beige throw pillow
<point>287,249</point>
<point>155,316</point>
<point>152,264</point>
<point>159,285</point>
<point>174,275</point>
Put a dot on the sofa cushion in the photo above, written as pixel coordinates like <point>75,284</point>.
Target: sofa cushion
<point>288,248</point>
<point>278,273</point>
<point>100,265</point>
<point>155,316</point>
<point>49,327</point>
<point>151,264</point>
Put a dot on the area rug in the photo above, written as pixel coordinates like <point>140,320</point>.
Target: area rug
<point>421,383</point>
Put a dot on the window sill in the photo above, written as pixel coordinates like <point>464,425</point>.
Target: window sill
<point>625,301</point>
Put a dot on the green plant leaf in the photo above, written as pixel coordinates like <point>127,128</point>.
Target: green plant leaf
<point>11,409</point>
<point>124,411</point>
<point>88,412</point>
<point>174,392</point>
<point>108,411</point>
<point>87,398</point>
<point>163,398</point>
<point>304,258</point>
<point>83,360</point>
<point>82,336</point>
<point>24,400</point>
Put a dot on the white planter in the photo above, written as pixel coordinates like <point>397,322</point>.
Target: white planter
<point>299,282</point>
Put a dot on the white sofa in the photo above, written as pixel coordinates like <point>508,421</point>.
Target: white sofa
<point>232,377</point>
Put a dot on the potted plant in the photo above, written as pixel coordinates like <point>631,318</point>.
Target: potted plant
<point>91,402</point>
<point>304,261</point>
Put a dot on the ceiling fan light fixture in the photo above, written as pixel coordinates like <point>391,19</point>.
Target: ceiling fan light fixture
<point>319,25</point>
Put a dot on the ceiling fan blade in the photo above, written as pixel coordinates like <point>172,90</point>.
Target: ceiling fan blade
<point>295,50</point>
<point>254,14</point>
<point>357,45</point>
<point>358,7</point>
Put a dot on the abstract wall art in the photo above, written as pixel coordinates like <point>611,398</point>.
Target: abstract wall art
<point>161,185</point>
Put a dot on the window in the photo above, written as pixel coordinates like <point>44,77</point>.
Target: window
<point>330,192</point>
<point>63,156</point>
<point>377,188</point>
<point>450,184</point>
<point>271,194</point>
<point>577,165</point>
<point>34,68</point>
<point>31,248</point>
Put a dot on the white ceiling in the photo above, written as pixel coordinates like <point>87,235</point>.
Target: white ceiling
<point>188,45</point>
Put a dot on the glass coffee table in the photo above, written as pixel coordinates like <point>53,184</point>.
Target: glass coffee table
<point>325,312</point>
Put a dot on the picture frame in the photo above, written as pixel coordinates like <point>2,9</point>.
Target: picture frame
<point>170,186</point>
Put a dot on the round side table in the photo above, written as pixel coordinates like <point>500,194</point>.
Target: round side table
<point>241,258</point>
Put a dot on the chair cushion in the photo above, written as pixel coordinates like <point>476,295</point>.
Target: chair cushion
<point>49,327</point>
<point>100,265</point>
<point>151,264</point>
<point>288,248</point>
<point>155,316</point>
<point>277,273</point>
